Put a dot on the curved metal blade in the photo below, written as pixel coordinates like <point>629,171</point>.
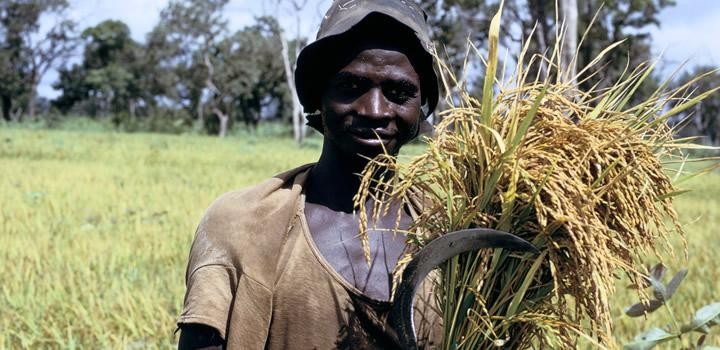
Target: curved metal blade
<point>430,257</point>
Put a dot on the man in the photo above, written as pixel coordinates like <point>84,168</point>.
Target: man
<point>279,265</point>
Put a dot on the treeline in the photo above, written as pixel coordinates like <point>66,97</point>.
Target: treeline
<point>189,71</point>
<point>192,71</point>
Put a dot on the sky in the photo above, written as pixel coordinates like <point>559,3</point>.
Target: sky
<point>688,30</point>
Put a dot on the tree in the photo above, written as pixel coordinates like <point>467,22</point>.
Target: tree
<point>181,41</point>
<point>620,20</point>
<point>615,21</point>
<point>12,72</point>
<point>218,78</point>
<point>704,116</point>
<point>288,57</point>
<point>569,18</point>
<point>27,54</point>
<point>246,73</point>
<point>454,22</point>
<point>108,78</point>
<point>71,81</point>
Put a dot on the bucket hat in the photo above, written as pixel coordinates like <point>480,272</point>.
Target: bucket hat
<point>341,20</point>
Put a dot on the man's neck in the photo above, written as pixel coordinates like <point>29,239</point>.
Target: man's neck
<point>335,179</point>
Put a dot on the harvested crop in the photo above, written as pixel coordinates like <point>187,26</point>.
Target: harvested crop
<point>580,174</point>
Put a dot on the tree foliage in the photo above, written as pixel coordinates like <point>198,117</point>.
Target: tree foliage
<point>704,118</point>
<point>454,22</point>
<point>188,63</point>
<point>248,73</point>
<point>27,53</point>
<point>109,78</point>
<point>186,32</point>
<point>191,69</point>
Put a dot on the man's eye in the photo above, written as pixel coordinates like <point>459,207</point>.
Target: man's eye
<point>348,85</point>
<point>399,95</point>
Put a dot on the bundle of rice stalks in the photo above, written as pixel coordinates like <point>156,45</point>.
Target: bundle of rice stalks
<point>579,174</point>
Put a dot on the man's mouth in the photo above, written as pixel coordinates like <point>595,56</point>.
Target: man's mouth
<point>372,134</point>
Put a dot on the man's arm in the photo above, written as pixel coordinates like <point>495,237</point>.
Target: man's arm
<point>199,337</point>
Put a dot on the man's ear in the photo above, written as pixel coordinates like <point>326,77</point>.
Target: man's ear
<point>425,109</point>
<point>315,121</point>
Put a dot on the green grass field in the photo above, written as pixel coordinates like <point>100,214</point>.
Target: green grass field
<point>96,227</point>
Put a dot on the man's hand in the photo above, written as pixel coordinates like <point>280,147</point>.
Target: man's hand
<point>199,337</point>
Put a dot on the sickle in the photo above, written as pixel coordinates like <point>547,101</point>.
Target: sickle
<point>429,258</point>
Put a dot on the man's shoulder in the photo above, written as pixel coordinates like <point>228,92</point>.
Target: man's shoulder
<point>242,228</point>
<point>260,213</point>
<point>272,192</point>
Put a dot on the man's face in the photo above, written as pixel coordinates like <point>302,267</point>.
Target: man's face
<point>372,103</point>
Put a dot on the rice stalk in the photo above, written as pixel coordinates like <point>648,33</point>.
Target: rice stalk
<point>580,174</point>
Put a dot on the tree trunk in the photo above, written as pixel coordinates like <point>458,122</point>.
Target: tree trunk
<point>568,61</point>
<point>200,115</point>
<point>6,106</point>
<point>32,94</point>
<point>537,10</point>
<point>224,118</point>
<point>131,108</point>
<point>699,120</point>
<point>16,114</point>
<point>216,100</point>
<point>297,115</point>
<point>31,101</point>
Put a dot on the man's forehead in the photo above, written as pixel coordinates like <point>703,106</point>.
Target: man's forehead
<point>386,64</point>
<point>382,55</point>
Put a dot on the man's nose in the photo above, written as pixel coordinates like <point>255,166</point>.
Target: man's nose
<point>373,104</point>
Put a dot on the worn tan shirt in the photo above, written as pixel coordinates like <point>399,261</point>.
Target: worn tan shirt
<point>256,276</point>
